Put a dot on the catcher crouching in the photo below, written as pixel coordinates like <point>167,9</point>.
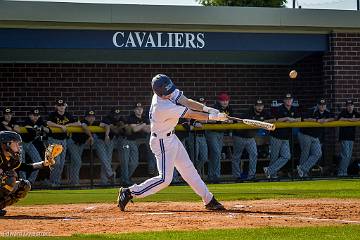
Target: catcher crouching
<point>11,187</point>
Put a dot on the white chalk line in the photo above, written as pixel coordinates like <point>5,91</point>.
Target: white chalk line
<point>300,218</point>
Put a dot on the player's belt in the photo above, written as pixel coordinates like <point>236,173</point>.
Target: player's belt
<point>168,134</point>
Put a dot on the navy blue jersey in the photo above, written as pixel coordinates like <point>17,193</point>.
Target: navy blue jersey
<point>133,119</point>
<point>55,117</point>
<point>252,114</point>
<point>11,124</point>
<point>281,112</point>
<point>316,132</point>
<point>33,129</point>
<point>347,133</point>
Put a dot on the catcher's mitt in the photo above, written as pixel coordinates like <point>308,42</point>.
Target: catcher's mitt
<point>51,152</point>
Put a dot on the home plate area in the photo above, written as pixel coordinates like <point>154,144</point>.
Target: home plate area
<point>55,220</point>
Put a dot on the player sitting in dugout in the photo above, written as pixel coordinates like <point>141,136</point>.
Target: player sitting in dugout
<point>11,187</point>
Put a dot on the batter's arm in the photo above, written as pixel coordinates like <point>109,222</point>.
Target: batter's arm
<point>194,105</point>
<point>191,104</point>
<point>205,116</point>
<point>196,115</point>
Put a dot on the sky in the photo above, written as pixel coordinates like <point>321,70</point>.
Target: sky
<point>316,4</point>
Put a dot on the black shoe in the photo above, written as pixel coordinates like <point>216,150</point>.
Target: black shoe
<point>214,205</point>
<point>123,198</point>
<point>2,212</point>
<point>251,178</point>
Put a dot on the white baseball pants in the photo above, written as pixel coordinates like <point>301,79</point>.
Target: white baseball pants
<point>170,153</point>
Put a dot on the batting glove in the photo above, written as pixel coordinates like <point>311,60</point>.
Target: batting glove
<point>218,117</point>
<point>210,110</point>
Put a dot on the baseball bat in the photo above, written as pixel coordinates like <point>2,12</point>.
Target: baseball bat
<point>255,123</point>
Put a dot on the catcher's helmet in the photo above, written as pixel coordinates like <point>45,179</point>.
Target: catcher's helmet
<point>9,136</point>
<point>6,137</point>
<point>162,85</point>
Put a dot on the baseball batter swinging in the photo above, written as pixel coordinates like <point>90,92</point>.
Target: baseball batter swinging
<point>167,106</point>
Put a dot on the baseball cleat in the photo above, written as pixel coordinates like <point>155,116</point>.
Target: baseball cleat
<point>214,205</point>
<point>2,212</point>
<point>266,171</point>
<point>123,198</point>
<point>300,172</point>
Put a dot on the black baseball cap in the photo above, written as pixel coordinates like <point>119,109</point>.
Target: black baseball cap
<point>7,111</point>
<point>322,101</point>
<point>115,110</point>
<point>60,102</point>
<point>201,99</point>
<point>90,113</point>
<point>349,102</point>
<point>35,111</point>
<point>288,96</point>
<point>259,102</point>
<point>138,105</point>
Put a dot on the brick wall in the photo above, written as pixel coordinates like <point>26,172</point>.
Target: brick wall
<point>342,74</point>
<point>102,86</point>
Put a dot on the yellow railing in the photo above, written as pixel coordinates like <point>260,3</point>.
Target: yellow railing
<point>278,125</point>
<point>224,126</point>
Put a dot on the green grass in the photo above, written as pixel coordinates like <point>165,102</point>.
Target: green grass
<point>243,191</point>
<point>350,232</point>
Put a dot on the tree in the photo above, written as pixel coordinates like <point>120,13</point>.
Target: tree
<point>244,3</point>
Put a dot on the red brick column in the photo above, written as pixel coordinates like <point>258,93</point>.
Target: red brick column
<point>342,74</point>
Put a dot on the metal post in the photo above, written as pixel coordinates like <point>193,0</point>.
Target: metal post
<point>195,149</point>
<point>294,1</point>
<point>91,167</point>
<point>358,5</point>
<point>293,169</point>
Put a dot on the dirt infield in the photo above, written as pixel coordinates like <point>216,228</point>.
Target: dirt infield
<point>106,218</point>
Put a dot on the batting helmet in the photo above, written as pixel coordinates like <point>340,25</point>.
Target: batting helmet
<point>162,85</point>
<point>9,136</point>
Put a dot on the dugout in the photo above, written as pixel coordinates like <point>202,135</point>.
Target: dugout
<point>101,55</point>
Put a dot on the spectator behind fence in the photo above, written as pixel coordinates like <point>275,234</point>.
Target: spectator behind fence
<point>139,125</point>
<point>279,139</point>
<point>215,140</point>
<point>119,130</point>
<point>36,134</point>
<point>107,142</point>
<point>77,144</point>
<point>310,139</point>
<point>198,149</point>
<point>245,139</point>
<point>7,122</point>
<point>347,137</point>
<point>62,119</point>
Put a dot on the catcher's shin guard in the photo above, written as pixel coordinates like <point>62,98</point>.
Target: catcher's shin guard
<point>22,188</point>
<point>7,201</point>
<point>123,198</point>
